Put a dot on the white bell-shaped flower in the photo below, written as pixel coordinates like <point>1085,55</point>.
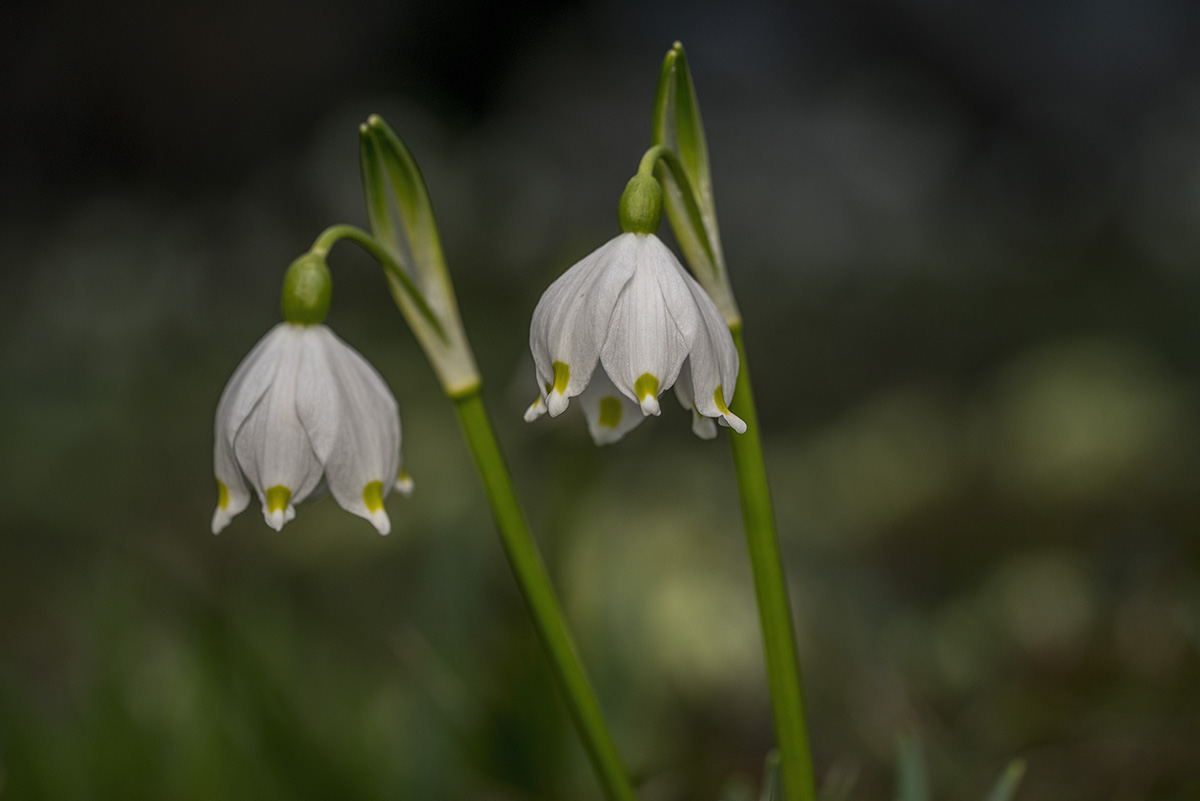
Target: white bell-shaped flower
<point>305,408</point>
<point>305,411</point>
<point>632,308</point>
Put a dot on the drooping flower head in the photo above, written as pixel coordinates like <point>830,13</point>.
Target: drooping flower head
<point>304,410</point>
<point>631,308</point>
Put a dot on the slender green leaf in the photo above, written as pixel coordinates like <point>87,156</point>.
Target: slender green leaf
<point>737,788</point>
<point>378,208</point>
<point>415,241</point>
<point>912,778</point>
<point>772,789</point>
<point>1006,786</point>
<point>839,782</point>
<point>676,125</point>
<point>403,222</point>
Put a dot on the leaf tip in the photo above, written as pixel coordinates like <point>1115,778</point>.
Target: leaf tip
<point>672,56</point>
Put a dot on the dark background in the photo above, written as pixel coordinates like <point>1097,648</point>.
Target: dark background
<point>966,241</point>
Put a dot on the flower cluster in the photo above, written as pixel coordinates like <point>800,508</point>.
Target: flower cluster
<point>633,310</point>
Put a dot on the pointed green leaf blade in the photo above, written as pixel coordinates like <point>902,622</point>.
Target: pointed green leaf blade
<point>417,234</point>
<point>1006,786</point>
<point>373,178</point>
<point>676,125</point>
<point>737,788</point>
<point>402,220</point>
<point>839,782</point>
<point>772,784</point>
<point>379,203</point>
<point>912,778</point>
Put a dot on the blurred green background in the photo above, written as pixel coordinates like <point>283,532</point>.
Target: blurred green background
<point>966,240</point>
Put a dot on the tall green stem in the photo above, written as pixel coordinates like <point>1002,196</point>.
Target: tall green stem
<point>770,585</point>
<point>539,595</point>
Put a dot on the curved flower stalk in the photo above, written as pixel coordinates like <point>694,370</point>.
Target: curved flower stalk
<point>405,240</point>
<point>631,310</point>
<point>678,130</point>
<point>304,410</point>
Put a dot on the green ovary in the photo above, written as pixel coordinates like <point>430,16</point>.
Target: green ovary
<point>610,412</point>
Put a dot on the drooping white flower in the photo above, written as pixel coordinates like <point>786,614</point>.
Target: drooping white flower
<point>631,308</point>
<point>301,409</point>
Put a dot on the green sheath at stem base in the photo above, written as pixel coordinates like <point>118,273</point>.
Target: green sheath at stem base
<point>770,585</point>
<point>535,585</point>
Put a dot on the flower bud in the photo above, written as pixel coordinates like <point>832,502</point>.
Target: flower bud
<point>640,210</point>
<point>307,290</point>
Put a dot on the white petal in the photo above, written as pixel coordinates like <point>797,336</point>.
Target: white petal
<point>645,347</point>
<point>714,361</point>
<point>271,446</point>
<point>672,283</point>
<point>244,390</point>
<point>353,423</point>
<point>702,427</point>
<point>610,414</point>
<point>232,495</point>
<point>572,317</point>
<point>535,410</point>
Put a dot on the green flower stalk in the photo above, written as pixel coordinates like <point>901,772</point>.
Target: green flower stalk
<point>405,240</point>
<point>688,197</point>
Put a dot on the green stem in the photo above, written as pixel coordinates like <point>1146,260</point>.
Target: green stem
<point>335,233</point>
<point>657,153</point>
<point>535,585</point>
<point>651,157</point>
<point>770,585</point>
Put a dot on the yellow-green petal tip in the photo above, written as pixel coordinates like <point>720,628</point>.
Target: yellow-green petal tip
<point>373,496</point>
<point>646,387</point>
<point>719,399</point>
<point>277,498</point>
<point>562,376</point>
<point>610,412</point>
